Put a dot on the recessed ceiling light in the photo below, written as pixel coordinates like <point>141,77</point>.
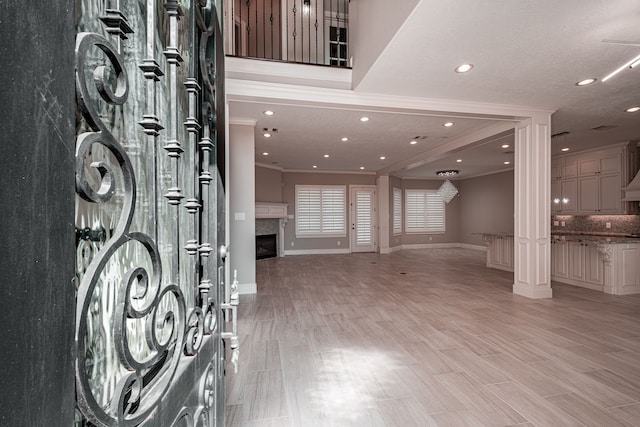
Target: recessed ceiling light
<point>361,167</point>
<point>505,146</point>
<point>315,166</point>
<point>448,124</point>
<point>564,149</point>
<point>364,119</point>
<point>344,139</point>
<point>464,68</point>
<point>632,109</point>
<point>586,82</point>
<point>414,142</point>
<point>459,160</point>
<point>507,162</point>
<point>326,156</point>
<point>383,158</point>
<point>267,135</point>
<point>268,113</point>
<point>265,154</point>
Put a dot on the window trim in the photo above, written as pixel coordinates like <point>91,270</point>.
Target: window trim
<point>426,229</point>
<point>321,233</point>
<point>397,227</point>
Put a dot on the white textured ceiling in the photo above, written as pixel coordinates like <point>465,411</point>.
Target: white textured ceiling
<point>524,52</point>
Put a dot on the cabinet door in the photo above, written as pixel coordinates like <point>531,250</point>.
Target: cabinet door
<point>610,164</point>
<point>588,167</point>
<point>569,196</point>
<point>507,251</point>
<point>560,259</point>
<point>588,195</point>
<point>610,192</point>
<point>594,265</point>
<point>576,261</point>
<point>556,199</point>
<point>569,169</point>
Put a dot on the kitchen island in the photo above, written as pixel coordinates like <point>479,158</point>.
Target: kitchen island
<point>605,262</point>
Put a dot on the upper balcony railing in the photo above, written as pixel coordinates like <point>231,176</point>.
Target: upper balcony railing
<point>301,31</point>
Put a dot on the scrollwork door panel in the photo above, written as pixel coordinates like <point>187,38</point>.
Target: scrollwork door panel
<point>149,213</point>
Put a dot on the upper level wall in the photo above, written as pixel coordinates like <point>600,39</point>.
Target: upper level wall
<point>373,24</point>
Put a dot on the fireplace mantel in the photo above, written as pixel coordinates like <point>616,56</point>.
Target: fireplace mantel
<point>267,210</point>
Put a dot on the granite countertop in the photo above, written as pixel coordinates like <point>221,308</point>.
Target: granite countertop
<point>591,237</point>
<point>594,237</point>
<point>496,234</point>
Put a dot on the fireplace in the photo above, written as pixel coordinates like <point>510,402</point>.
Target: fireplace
<point>266,246</point>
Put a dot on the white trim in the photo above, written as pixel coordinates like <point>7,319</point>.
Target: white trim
<point>243,69</point>
<point>430,246</point>
<point>243,122</point>
<point>334,172</point>
<point>473,247</point>
<point>247,288</point>
<point>264,165</point>
<point>238,90</point>
<point>316,252</point>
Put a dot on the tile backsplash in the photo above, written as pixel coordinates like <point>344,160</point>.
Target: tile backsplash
<point>620,224</point>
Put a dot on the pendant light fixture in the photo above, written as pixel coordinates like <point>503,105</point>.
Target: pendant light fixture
<point>447,190</point>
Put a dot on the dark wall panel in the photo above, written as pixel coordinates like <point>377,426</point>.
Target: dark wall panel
<point>37,116</point>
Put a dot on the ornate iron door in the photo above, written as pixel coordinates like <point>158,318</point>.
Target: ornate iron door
<point>150,213</point>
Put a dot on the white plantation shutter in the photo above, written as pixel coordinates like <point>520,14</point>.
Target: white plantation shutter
<point>424,212</point>
<point>333,210</point>
<point>320,211</point>
<point>434,211</point>
<point>397,211</point>
<point>364,217</point>
<point>308,216</point>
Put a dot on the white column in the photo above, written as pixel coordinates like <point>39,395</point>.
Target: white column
<point>532,275</point>
<point>241,187</point>
<point>382,182</point>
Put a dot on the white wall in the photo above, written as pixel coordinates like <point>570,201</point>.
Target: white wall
<point>242,205</point>
<point>372,25</point>
<point>486,206</point>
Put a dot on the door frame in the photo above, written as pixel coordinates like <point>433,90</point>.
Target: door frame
<point>353,247</point>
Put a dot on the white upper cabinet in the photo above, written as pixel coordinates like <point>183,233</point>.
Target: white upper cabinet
<point>591,182</point>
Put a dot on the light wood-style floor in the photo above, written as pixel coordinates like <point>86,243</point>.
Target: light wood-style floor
<point>429,338</point>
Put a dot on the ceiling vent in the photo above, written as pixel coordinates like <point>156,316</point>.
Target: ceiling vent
<point>272,130</point>
<point>604,127</point>
<point>417,138</point>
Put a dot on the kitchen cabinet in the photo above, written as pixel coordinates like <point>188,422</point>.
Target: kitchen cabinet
<point>591,182</point>
<point>499,251</point>
<point>559,259</point>
<point>564,197</point>
<point>577,263</point>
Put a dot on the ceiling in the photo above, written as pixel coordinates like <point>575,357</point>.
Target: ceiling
<point>524,54</point>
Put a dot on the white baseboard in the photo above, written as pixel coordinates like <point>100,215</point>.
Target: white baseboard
<point>316,252</point>
<point>247,288</point>
<point>473,247</point>
<point>441,246</point>
<point>391,249</point>
<point>386,250</point>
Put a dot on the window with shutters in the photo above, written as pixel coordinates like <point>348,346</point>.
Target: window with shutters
<point>397,211</point>
<point>424,212</point>
<point>320,211</point>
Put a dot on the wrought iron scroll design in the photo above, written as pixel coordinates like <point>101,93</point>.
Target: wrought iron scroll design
<point>140,293</point>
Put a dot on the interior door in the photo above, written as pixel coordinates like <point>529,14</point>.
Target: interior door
<point>363,218</point>
<point>149,213</point>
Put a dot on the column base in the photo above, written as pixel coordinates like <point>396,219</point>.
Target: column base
<point>534,293</point>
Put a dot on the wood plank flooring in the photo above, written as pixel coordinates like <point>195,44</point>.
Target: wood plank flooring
<point>428,338</point>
